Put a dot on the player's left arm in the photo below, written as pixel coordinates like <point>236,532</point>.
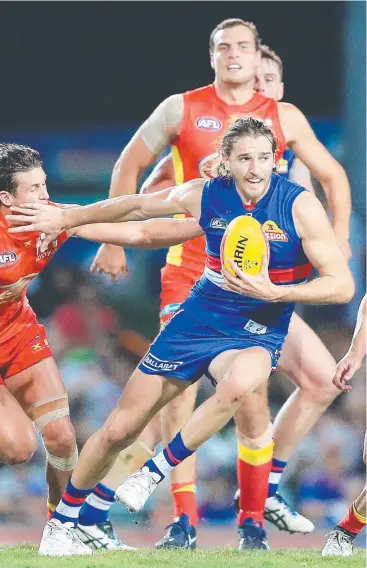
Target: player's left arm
<point>151,234</point>
<point>352,360</point>
<point>332,176</point>
<point>335,284</point>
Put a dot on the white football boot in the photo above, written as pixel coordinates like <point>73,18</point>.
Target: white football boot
<point>278,512</point>
<point>339,543</point>
<point>60,539</point>
<point>101,537</point>
<point>137,488</point>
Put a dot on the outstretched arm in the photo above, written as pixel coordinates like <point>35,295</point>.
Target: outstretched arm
<point>185,198</point>
<point>151,234</point>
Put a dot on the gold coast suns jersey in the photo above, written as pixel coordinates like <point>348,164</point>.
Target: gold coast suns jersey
<point>195,150</point>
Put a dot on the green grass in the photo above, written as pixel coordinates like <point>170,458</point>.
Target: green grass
<point>27,557</point>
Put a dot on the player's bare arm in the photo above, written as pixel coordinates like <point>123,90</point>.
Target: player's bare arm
<point>162,176</point>
<point>302,140</point>
<point>334,285</point>
<point>152,137</point>
<point>301,175</point>
<point>352,360</point>
<point>150,234</point>
<point>157,132</point>
<point>185,198</point>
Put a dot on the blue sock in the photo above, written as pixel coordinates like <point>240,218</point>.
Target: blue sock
<point>97,505</point>
<point>277,467</point>
<point>67,511</point>
<point>170,457</point>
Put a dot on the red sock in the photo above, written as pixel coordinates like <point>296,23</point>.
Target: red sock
<point>51,508</point>
<point>184,499</point>
<point>353,521</point>
<point>253,468</point>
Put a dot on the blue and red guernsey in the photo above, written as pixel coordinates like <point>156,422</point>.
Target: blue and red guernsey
<point>288,263</point>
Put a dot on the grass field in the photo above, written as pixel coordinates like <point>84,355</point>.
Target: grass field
<point>27,557</point>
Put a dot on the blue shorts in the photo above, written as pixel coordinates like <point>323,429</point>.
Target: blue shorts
<point>186,346</point>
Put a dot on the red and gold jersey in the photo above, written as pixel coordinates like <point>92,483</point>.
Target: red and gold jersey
<point>20,261</point>
<point>195,150</point>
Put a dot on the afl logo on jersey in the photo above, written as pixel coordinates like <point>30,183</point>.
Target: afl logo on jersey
<point>7,258</point>
<point>208,123</point>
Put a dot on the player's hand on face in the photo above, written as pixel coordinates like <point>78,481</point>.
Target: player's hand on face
<point>259,286</point>
<point>110,259</point>
<point>345,370</point>
<point>37,217</point>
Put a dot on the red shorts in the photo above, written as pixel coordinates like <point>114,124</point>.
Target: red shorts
<point>176,287</point>
<point>26,349</point>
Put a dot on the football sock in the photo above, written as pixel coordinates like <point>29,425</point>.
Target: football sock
<point>97,505</point>
<point>277,468</point>
<point>184,499</point>
<point>353,521</point>
<point>67,511</point>
<point>51,508</point>
<point>253,467</point>
<point>170,457</point>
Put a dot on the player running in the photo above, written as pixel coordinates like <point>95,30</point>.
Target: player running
<point>191,124</point>
<point>32,394</point>
<point>223,321</point>
<point>340,541</point>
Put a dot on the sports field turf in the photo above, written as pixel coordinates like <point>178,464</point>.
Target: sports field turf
<point>27,557</point>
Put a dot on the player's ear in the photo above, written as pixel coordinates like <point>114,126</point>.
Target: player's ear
<point>281,91</point>
<point>211,59</point>
<point>5,198</point>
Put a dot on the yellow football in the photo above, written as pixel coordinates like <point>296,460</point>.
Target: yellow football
<point>245,243</point>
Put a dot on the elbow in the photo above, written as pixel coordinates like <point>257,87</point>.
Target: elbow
<point>347,290</point>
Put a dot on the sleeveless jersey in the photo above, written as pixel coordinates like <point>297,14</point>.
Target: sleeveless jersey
<point>223,309</point>
<point>195,150</point>
<point>20,261</point>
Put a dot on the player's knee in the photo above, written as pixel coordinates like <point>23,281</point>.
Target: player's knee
<point>318,383</point>
<point>59,437</point>
<point>231,392</point>
<point>119,434</point>
<point>19,451</point>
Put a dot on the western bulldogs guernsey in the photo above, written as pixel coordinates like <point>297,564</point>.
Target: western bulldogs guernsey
<point>212,319</point>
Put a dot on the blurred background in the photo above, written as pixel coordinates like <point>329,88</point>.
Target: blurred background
<point>75,82</point>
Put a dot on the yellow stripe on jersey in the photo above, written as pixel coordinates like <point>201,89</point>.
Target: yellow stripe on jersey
<point>255,457</point>
<point>177,165</point>
<point>174,255</point>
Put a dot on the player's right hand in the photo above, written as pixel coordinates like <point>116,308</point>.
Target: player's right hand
<point>37,217</point>
<point>345,370</point>
<point>110,259</point>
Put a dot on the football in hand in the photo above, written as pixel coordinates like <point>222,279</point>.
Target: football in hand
<point>245,243</point>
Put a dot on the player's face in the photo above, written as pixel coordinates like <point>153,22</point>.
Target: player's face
<point>234,57</point>
<point>251,164</point>
<point>268,78</point>
<point>31,187</point>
